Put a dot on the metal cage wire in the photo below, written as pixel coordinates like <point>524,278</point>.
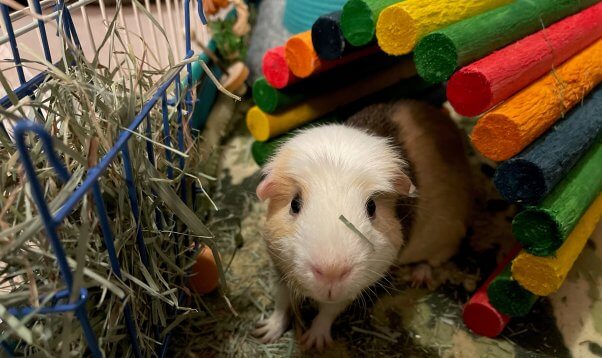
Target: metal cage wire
<point>53,220</point>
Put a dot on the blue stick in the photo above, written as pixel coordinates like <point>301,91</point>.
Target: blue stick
<point>532,174</point>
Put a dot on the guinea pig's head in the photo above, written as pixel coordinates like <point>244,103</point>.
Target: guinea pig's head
<point>331,226</point>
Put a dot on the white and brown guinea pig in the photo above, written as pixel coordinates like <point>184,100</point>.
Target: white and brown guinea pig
<point>365,170</point>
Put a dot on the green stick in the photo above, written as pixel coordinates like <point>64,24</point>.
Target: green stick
<point>441,52</point>
<point>262,151</point>
<point>358,20</point>
<point>508,297</point>
<point>270,99</point>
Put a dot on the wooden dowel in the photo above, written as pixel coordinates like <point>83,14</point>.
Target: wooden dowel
<point>402,25</point>
<point>270,99</point>
<point>507,295</point>
<point>480,86</point>
<point>478,314</point>
<point>327,37</point>
<point>544,275</point>
<point>440,53</point>
<point>532,174</point>
<point>264,126</point>
<point>303,60</point>
<point>508,129</point>
<point>543,228</point>
<point>358,20</point>
<point>275,69</point>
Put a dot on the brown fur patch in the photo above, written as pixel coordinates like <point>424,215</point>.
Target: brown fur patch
<point>386,221</point>
<point>377,120</point>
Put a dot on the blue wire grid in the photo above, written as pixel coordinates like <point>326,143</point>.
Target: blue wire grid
<point>60,301</point>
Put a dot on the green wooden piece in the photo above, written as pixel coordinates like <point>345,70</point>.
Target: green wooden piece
<point>441,52</point>
<point>270,99</point>
<point>508,297</point>
<point>543,228</point>
<point>358,20</point>
<point>262,151</point>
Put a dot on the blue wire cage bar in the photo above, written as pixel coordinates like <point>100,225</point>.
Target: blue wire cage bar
<point>161,100</point>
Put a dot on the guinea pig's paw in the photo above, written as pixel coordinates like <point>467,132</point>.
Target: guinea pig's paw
<point>269,330</point>
<point>422,275</point>
<point>317,336</point>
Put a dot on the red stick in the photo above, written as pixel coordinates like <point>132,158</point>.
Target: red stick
<point>479,315</point>
<point>276,70</point>
<point>483,84</point>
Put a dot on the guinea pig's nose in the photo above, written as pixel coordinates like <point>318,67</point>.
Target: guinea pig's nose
<point>331,273</point>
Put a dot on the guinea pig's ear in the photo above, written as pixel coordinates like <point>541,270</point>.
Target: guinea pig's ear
<point>404,186</point>
<point>266,188</point>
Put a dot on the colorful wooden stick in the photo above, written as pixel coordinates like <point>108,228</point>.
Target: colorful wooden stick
<point>439,53</point>
<point>300,55</point>
<point>275,69</point>
<point>532,174</point>
<point>262,151</point>
<point>264,126</point>
<point>358,20</point>
<point>270,99</point>
<point>508,129</point>
<point>303,61</point>
<point>482,85</point>
<point>327,38</point>
<point>544,275</point>
<point>543,228</point>
<point>402,25</point>
<point>507,295</point>
<point>479,315</point>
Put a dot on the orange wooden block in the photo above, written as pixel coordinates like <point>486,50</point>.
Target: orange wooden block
<point>303,61</point>
<point>508,129</point>
<point>301,58</point>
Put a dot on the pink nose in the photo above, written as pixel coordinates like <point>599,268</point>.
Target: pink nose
<point>331,273</point>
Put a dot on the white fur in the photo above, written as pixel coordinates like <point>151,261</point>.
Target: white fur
<point>326,154</point>
<point>338,169</point>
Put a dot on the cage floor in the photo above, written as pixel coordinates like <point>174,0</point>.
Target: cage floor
<point>402,322</point>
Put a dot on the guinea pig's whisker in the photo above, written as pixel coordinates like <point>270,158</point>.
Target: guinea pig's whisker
<point>376,274</point>
<point>380,284</point>
<point>367,294</point>
<point>362,300</point>
<point>377,260</point>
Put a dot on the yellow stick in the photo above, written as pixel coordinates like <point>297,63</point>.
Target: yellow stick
<point>264,126</point>
<point>544,275</point>
<point>402,25</point>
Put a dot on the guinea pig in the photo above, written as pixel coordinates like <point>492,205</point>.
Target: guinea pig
<point>347,201</point>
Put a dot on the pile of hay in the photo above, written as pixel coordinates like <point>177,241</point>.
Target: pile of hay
<point>85,106</point>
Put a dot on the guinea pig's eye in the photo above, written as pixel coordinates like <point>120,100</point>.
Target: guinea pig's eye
<point>296,204</point>
<point>371,208</point>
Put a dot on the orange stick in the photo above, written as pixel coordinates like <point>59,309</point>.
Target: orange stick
<point>303,61</point>
<point>511,127</point>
